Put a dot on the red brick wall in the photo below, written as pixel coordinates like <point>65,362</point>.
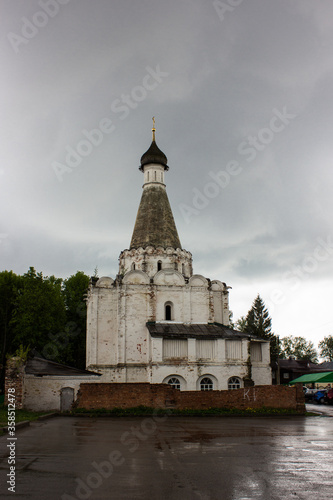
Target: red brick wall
<point>108,396</point>
<point>14,380</point>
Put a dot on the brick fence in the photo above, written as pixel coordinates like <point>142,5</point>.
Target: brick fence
<point>14,381</point>
<point>108,396</point>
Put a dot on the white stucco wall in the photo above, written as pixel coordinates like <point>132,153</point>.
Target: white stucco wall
<point>43,393</point>
<point>119,344</point>
<point>117,312</point>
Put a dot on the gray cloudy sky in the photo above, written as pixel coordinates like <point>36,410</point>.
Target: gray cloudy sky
<point>242,95</point>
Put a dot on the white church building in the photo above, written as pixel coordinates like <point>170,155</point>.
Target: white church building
<point>157,321</point>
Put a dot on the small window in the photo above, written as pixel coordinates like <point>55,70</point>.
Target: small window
<point>174,382</point>
<point>155,174</point>
<point>159,265</point>
<point>206,384</point>
<point>233,383</point>
<point>148,175</point>
<point>183,268</point>
<point>167,312</point>
<point>133,267</point>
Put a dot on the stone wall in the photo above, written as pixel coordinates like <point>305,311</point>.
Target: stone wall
<point>36,393</point>
<point>108,396</point>
<point>15,380</point>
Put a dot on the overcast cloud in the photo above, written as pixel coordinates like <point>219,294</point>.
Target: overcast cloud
<point>241,93</point>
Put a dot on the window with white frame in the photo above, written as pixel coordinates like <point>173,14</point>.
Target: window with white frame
<point>206,384</point>
<point>234,383</point>
<point>174,382</point>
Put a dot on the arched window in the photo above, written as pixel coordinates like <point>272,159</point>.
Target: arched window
<point>168,312</point>
<point>148,175</point>
<point>159,265</point>
<point>133,266</point>
<point>206,384</point>
<point>174,382</point>
<point>155,175</point>
<point>234,383</point>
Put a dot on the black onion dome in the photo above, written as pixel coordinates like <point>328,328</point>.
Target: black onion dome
<point>154,155</point>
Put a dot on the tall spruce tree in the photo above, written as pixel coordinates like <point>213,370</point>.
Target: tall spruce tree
<point>259,323</point>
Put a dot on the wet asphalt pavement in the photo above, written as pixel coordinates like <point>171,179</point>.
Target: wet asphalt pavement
<point>324,409</point>
<point>175,458</point>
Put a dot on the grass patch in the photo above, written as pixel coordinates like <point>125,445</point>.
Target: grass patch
<point>20,415</point>
<point>141,411</point>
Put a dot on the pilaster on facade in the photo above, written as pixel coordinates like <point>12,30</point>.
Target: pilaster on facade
<point>221,356</point>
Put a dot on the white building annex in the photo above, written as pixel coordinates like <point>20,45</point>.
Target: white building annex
<point>158,322</point>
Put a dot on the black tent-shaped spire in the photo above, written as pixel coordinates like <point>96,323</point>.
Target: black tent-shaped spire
<point>154,225</point>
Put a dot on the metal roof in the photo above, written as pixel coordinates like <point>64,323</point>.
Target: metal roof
<point>40,366</point>
<point>195,330</point>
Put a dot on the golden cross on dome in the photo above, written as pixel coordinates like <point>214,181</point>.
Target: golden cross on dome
<point>153,129</point>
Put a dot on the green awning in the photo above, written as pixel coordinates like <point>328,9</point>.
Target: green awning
<point>314,378</point>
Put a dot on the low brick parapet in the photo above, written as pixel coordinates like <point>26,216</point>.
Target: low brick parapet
<point>108,396</point>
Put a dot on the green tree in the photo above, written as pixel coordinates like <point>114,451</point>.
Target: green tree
<point>39,312</point>
<point>298,348</point>
<point>326,348</point>
<point>241,324</point>
<point>10,284</point>
<point>74,292</point>
<point>231,320</point>
<point>259,323</point>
